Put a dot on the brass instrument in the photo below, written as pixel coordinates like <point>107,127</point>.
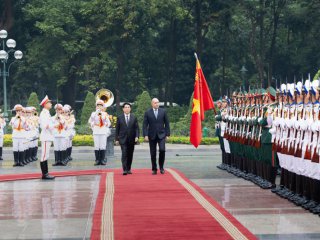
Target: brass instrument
<point>106,96</point>
<point>35,114</point>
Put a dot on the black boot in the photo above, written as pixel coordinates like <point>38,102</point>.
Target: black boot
<point>32,157</point>
<point>1,154</point>
<point>56,161</point>
<point>63,158</point>
<point>45,172</point>
<point>21,159</point>
<point>103,160</point>
<point>26,156</point>
<point>16,159</point>
<point>36,153</point>
<point>97,153</point>
<point>69,154</point>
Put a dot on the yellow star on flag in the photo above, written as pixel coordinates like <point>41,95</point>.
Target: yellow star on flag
<point>196,106</point>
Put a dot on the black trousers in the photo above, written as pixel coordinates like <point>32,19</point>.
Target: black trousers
<point>127,155</point>
<point>153,152</point>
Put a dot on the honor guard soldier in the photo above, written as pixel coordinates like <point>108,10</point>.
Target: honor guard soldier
<point>35,134</point>
<point>59,134</point>
<point>269,168</point>
<point>314,204</point>
<point>46,136</point>
<point>218,119</point>
<point>29,135</point>
<point>2,125</point>
<point>99,121</point>
<point>222,125</point>
<point>18,124</point>
<point>70,130</point>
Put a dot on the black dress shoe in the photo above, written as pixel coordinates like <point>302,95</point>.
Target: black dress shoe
<point>129,172</point>
<point>47,177</point>
<point>162,171</point>
<point>97,163</point>
<point>154,172</point>
<point>124,173</point>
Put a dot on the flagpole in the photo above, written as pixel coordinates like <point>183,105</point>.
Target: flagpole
<point>214,109</point>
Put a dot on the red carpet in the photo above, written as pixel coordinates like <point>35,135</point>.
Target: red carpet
<point>144,206</point>
<point>167,206</point>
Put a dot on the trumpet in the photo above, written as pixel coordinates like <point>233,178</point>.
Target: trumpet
<point>98,111</point>
<point>70,113</point>
<point>35,114</point>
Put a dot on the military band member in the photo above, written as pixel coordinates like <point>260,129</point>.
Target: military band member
<point>2,126</point>
<point>59,133</point>
<point>99,121</point>
<point>18,124</point>
<point>28,135</point>
<point>46,136</point>
<point>35,133</point>
<point>70,129</point>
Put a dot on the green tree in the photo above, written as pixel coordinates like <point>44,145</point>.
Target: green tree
<point>33,101</point>
<point>141,104</point>
<point>88,108</point>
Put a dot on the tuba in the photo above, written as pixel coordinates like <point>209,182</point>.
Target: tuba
<point>106,96</point>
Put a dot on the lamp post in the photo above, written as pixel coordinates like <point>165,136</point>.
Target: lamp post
<point>243,71</point>
<point>10,44</point>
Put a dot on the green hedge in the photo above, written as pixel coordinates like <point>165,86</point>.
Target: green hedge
<point>87,140</point>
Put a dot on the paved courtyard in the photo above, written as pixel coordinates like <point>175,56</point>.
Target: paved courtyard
<point>63,209</point>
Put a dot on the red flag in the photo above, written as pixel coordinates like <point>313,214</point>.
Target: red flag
<point>202,101</point>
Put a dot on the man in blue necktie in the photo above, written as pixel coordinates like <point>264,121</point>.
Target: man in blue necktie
<point>156,130</point>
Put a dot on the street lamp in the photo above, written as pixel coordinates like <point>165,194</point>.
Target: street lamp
<point>4,58</point>
<point>243,71</point>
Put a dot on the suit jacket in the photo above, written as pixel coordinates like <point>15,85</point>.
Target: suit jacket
<point>153,127</point>
<point>127,134</point>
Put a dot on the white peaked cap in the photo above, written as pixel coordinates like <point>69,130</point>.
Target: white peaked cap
<point>307,85</point>
<point>299,87</point>
<point>315,86</point>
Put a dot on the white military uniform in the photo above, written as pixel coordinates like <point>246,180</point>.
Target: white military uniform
<point>46,135</point>
<point>35,133</point>
<point>99,124</point>
<point>2,125</point>
<point>19,126</point>
<point>70,130</point>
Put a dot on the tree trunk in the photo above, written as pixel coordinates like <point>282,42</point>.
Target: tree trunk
<point>120,74</point>
<point>7,16</point>
<point>198,28</point>
<point>261,43</point>
<point>68,90</point>
<point>276,16</point>
<point>172,62</point>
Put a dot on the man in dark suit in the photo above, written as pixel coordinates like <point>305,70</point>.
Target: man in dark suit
<point>127,134</point>
<point>156,130</point>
